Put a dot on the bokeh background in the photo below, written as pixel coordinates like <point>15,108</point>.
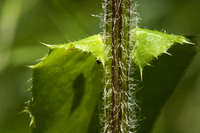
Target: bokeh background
<point>24,24</point>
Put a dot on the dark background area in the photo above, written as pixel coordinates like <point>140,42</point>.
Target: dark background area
<point>24,24</point>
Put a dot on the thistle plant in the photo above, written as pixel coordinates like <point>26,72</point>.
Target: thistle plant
<point>71,81</point>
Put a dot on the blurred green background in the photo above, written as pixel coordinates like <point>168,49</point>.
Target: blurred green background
<point>24,24</point>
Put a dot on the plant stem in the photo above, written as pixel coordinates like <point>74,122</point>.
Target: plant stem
<point>117,17</point>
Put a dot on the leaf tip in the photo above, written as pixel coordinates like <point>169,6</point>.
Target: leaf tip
<point>30,66</point>
<point>47,45</point>
<point>141,73</point>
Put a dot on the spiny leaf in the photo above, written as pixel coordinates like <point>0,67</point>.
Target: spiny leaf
<point>151,44</point>
<point>93,44</point>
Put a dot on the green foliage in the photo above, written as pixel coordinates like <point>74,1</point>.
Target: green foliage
<point>93,44</point>
<point>68,83</point>
<point>151,44</point>
<point>59,21</point>
<point>167,62</point>
<point>66,88</point>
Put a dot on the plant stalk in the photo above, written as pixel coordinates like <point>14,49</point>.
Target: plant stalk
<point>117,34</point>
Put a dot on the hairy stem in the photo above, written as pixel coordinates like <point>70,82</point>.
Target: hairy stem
<point>117,17</point>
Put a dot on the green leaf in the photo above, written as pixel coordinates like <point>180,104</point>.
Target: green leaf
<point>151,44</point>
<point>66,88</point>
<point>93,44</point>
<point>169,61</point>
